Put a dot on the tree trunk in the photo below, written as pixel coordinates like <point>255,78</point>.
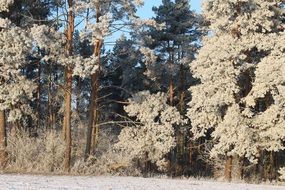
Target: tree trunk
<point>182,90</point>
<point>93,128</point>
<point>272,166</point>
<point>78,93</point>
<point>39,96</point>
<point>67,122</point>
<point>68,91</point>
<point>3,140</point>
<point>49,109</point>
<point>95,131</point>
<point>228,168</point>
<point>171,91</point>
<point>241,167</point>
<point>92,115</point>
<point>260,166</point>
<point>191,153</point>
<point>181,134</point>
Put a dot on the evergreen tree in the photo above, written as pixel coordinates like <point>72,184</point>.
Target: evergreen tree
<point>15,89</point>
<point>174,46</point>
<point>152,135</point>
<point>233,102</point>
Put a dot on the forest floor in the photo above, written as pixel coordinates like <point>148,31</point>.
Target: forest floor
<point>40,182</point>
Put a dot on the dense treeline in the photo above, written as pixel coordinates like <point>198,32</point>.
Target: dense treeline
<point>180,94</point>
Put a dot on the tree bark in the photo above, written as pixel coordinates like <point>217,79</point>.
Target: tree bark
<point>49,109</point>
<point>241,167</point>
<point>92,114</point>
<point>171,90</point>
<point>68,91</point>
<point>181,134</point>
<point>191,153</point>
<point>78,93</point>
<point>3,139</point>
<point>272,166</point>
<point>93,128</point>
<point>170,62</point>
<point>67,123</point>
<point>228,168</point>
<point>182,90</point>
<point>39,96</point>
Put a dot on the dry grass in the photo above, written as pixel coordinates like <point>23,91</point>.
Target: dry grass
<point>44,155</point>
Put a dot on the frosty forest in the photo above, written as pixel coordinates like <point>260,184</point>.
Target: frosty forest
<point>181,94</point>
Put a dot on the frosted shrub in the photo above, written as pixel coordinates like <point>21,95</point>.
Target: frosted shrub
<point>42,154</point>
<point>4,4</point>
<point>152,135</point>
<point>111,162</point>
<point>281,171</point>
<point>105,160</point>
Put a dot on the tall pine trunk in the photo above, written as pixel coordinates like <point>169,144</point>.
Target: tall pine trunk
<point>92,115</point>
<point>241,167</point>
<point>68,91</point>
<point>49,109</point>
<point>171,90</point>
<point>272,166</point>
<point>181,134</point>
<point>3,140</point>
<point>93,128</point>
<point>67,119</point>
<point>228,168</point>
<point>182,90</point>
<point>39,96</point>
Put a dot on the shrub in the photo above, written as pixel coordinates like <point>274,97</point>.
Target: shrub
<point>41,155</point>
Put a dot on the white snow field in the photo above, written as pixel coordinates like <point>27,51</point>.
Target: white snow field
<point>31,182</point>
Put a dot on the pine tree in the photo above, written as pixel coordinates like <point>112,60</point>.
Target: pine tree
<point>236,101</point>
<point>124,73</point>
<point>175,45</point>
<point>68,85</point>
<point>24,14</point>
<point>126,60</point>
<point>15,89</point>
<point>103,15</point>
<point>152,135</point>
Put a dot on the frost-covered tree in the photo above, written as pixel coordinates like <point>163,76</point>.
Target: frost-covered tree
<point>241,72</point>
<point>15,89</point>
<point>98,16</point>
<point>151,136</point>
<point>53,46</point>
<point>174,45</point>
<point>282,173</point>
<point>170,48</point>
<point>25,13</point>
<point>101,18</point>
<point>4,4</point>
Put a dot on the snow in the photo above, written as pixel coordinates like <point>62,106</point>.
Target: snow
<point>31,182</point>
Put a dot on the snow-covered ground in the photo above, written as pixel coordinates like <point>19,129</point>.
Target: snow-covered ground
<point>31,182</point>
